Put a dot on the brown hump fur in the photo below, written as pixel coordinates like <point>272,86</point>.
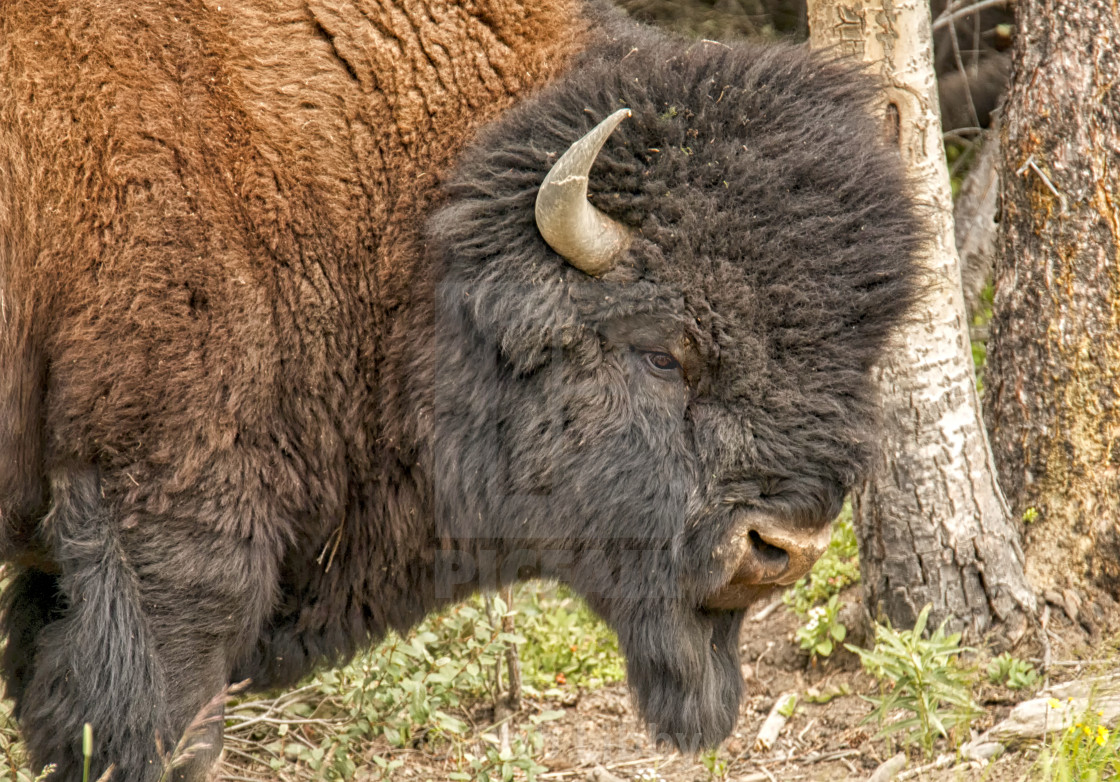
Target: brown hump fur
<point>232,180</point>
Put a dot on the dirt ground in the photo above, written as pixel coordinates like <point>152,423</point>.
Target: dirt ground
<point>824,740</point>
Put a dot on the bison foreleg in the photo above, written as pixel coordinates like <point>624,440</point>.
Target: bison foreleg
<point>95,662</point>
<point>135,638</point>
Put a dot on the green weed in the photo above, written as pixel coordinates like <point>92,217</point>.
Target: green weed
<point>568,645</point>
<point>823,630</point>
<point>416,692</point>
<point>815,598</point>
<point>1012,673</point>
<point>922,677</point>
<point>716,766</point>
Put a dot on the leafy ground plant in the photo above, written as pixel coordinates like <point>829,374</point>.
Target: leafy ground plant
<point>823,630</point>
<point>815,598</point>
<point>923,679</point>
<point>426,691</point>
<point>715,765</point>
<point>422,691</point>
<point>568,645</point>
<point>1086,751</point>
<point>1012,673</point>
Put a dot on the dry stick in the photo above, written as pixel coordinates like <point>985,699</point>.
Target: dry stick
<point>255,759</point>
<point>571,772</point>
<point>806,760</point>
<point>888,769</point>
<point>600,774</point>
<point>825,757</point>
<point>765,612</point>
<point>512,658</point>
<point>1045,620</point>
<point>941,762</point>
<point>488,601</point>
<point>272,703</point>
<point>964,73</point>
<point>773,723</point>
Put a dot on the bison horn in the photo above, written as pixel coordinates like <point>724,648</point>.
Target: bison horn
<point>584,236</point>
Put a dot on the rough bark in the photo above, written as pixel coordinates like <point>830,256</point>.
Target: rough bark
<point>931,522</point>
<point>1054,357</point>
<point>975,215</point>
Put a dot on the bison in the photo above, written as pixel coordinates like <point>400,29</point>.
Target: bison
<point>318,314</point>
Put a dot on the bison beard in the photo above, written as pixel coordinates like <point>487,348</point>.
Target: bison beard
<point>248,437</point>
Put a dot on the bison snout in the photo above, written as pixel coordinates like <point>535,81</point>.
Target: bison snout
<point>766,553</point>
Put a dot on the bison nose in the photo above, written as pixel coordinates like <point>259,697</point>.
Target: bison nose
<point>787,554</point>
<point>764,552</point>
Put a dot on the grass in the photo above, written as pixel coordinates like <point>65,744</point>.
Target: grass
<point>1011,672</point>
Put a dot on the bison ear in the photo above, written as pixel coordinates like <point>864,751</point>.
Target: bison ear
<point>584,236</point>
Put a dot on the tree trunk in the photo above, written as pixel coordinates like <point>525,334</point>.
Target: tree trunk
<point>931,522</point>
<point>976,217</point>
<point>1054,356</point>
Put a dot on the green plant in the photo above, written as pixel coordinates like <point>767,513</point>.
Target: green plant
<point>501,765</point>
<point>922,676</point>
<point>407,692</point>
<point>87,750</point>
<point>1011,672</point>
<point>981,317</point>
<point>715,765</point>
<point>414,692</point>
<point>815,598</point>
<point>788,706</point>
<point>567,643</point>
<point>823,630</point>
<point>1084,751</point>
<point>837,569</point>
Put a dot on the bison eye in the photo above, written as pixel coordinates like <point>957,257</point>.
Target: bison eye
<point>662,363</point>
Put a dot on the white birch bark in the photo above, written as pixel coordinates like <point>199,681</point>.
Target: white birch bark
<point>932,524</point>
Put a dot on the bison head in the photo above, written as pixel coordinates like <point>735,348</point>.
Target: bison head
<point>663,395</point>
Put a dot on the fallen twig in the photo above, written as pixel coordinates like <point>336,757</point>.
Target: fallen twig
<point>774,722</point>
<point>888,769</point>
<point>571,772</point>
<point>946,19</point>
<point>942,762</point>
<point>767,610</point>
<point>825,757</point>
<point>600,774</point>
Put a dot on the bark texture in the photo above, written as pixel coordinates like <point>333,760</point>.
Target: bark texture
<point>976,217</point>
<point>932,524</point>
<point>1054,358</point>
